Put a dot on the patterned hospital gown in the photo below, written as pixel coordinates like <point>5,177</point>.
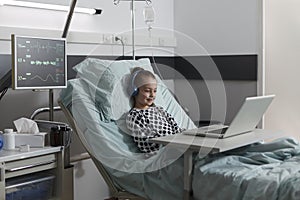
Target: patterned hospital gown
<point>150,123</point>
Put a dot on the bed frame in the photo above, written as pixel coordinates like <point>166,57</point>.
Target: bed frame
<point>116,193</point>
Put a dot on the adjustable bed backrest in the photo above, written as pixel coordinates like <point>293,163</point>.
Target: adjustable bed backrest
<point>96,103</point>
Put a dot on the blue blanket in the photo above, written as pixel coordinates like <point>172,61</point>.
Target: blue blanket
<point>261,171</point>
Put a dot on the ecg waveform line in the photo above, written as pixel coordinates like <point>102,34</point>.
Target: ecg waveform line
<point>58,47</point>
<point>49,76</point>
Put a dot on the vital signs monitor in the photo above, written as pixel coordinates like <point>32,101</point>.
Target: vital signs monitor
<point>38,63</point>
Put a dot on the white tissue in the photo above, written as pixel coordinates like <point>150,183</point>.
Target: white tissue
<point>24,125</point>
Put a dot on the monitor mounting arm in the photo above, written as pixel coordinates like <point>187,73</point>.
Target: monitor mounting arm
<point>64,35</point>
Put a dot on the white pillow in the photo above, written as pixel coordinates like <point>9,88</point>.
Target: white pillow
<point>108,82</point>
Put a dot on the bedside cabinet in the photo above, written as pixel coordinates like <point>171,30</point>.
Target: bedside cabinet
<point>37,174</point>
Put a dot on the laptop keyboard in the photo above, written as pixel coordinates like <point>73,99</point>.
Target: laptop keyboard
<point>212,127</point>
<point>201,131</point>
<point>219,131</point>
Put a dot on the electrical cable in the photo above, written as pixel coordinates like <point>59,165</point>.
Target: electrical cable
<point>119,39</point>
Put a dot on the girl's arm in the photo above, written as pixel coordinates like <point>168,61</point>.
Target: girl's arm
<point>172,122</point>
<point>141,133</point>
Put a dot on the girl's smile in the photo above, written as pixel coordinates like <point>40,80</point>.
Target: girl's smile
<point>146,94</point>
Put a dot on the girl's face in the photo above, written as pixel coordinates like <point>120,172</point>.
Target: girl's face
<point>146,94</point>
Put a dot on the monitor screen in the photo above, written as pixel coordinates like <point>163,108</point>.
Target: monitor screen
<point>38,63</point>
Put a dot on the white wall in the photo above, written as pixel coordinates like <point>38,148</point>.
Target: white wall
<point>114,20</point>
<point>214,27</point>
<point>282,61</point>
<point>221,27</point>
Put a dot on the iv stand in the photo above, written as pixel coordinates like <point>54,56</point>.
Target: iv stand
<point>132,9</point>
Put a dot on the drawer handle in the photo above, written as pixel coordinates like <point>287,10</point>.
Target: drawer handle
<point>29,166</point>
<point>30,182</point>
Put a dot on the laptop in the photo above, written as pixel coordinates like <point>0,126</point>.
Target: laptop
<point>245,120</point>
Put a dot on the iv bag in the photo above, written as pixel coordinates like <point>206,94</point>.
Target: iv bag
<point>148,15</point>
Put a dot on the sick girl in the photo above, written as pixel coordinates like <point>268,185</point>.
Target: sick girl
<point>145,119</point>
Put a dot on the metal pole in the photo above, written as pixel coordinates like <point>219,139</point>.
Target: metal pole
<point>68,22</point>
<point>51,110</point>
<point>133,27</point>
<point>64,35</point>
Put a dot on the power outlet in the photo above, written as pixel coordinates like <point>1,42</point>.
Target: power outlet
<point>108,39</point>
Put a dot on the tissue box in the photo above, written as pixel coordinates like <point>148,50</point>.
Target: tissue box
<point>33,140</point>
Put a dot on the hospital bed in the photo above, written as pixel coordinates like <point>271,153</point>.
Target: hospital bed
<point>96,104</point>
